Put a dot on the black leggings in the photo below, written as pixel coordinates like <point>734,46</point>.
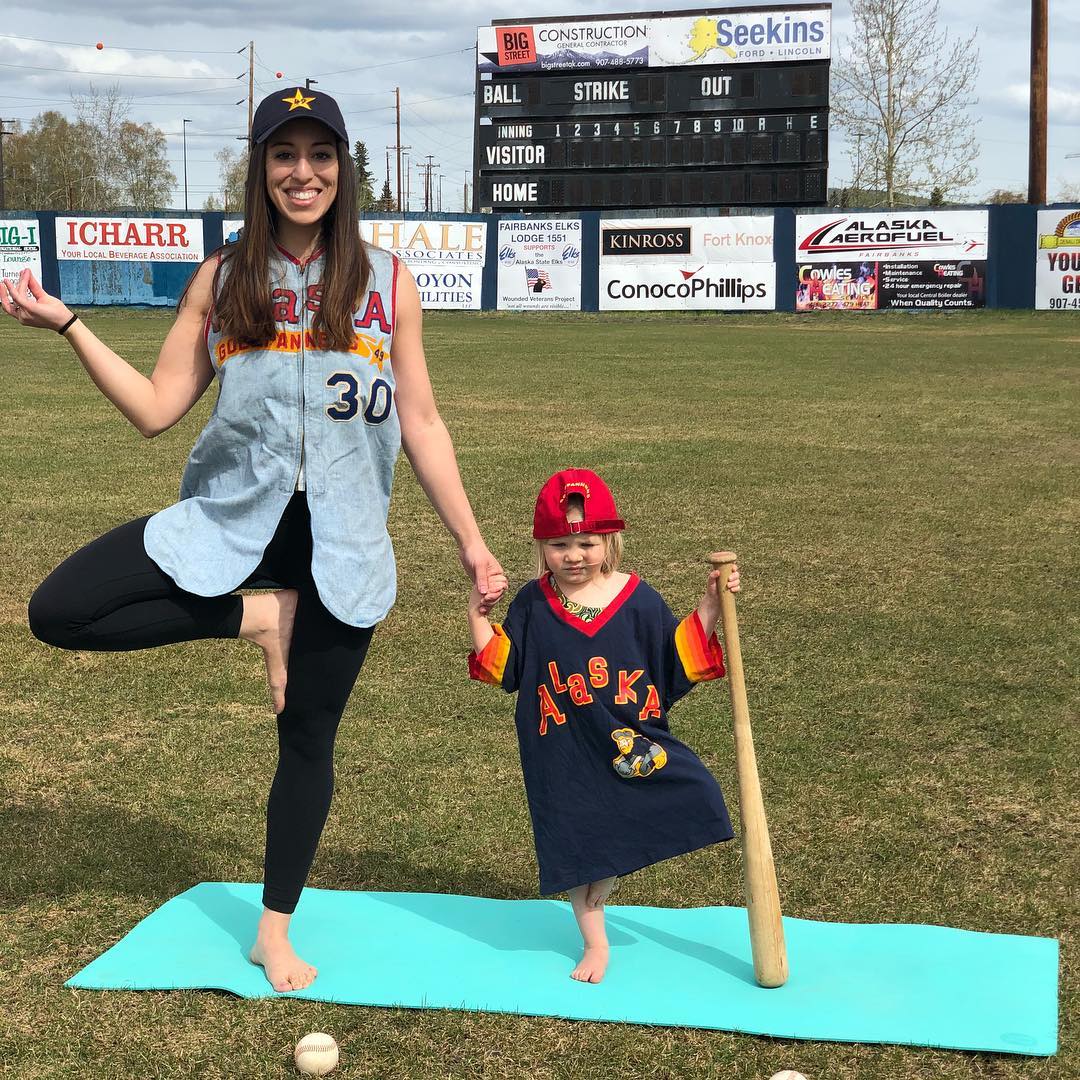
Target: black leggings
<point>110,596</point>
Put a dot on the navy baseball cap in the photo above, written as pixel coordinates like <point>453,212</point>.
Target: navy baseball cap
<point>286,105</point>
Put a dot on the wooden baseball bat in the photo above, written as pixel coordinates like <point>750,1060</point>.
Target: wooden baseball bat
<point>762,896</point>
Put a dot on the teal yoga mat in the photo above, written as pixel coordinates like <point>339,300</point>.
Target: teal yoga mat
<point>920,985</point>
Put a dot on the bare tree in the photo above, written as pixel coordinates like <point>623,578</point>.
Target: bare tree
<point>233,174</point>
<point>907,88</point>
<point>143,179</point>
<point>1068,191</point>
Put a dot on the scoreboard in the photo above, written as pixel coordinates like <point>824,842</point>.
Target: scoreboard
<point>654,124</point>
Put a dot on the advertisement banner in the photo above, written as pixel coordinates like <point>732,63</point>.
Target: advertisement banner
<point>703,263</point>
<point>20,247</point>
<point>136,239</point>
<point>710,287</point>
<point>1057,261</point>
<point>881,234</point>
<point>446,257</point>
<point>709,239</point>
<point>870,285</point>
<point>657,42</point>
<point>540,264</point>
<point>877,259</point>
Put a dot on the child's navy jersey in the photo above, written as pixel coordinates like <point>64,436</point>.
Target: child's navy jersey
<point>610,789</point>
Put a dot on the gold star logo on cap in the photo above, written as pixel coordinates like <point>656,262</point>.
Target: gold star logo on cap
<point>298,101</point>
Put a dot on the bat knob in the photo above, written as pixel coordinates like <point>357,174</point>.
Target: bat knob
<point>721,558</point>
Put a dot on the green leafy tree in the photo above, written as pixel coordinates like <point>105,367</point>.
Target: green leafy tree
<point>387,201</point>
<point>365,178</point>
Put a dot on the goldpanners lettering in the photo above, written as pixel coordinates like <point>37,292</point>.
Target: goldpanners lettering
<point>606,90</point>
<point>578,687</point>
<point>168,234</point>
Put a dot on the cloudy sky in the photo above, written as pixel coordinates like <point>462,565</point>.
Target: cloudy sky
<point>189,60</point>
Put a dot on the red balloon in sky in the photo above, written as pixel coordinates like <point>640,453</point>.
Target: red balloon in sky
<point>101,44</point>
<point>279,74</point>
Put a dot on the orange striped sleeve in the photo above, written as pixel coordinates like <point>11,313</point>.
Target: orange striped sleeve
<point>701,657</point>
<point>489,664</point>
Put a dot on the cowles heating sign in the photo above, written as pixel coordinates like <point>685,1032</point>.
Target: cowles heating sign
<point>875,259</point>
<point>707,264</point>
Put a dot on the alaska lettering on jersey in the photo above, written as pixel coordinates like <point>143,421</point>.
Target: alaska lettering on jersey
<point>577,686</point>
<point>287,310</point>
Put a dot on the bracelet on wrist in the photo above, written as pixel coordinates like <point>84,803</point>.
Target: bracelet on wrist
<point>67,326</point>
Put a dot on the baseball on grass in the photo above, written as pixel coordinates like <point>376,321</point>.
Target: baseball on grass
<point>787,1074</point>
<point>316,1054</point>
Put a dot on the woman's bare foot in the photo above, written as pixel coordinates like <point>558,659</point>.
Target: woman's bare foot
<point>593,964</point>
<point>268,622</point>
<point>274,953</point>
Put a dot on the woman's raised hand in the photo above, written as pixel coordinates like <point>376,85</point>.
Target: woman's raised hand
<point>25,300</point>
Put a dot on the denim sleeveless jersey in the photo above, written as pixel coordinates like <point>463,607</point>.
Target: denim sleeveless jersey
<point>275,402</point>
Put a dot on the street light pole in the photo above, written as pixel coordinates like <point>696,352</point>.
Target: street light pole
<point>184,124</point>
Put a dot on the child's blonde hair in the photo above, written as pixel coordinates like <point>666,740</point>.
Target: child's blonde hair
<point>613,544</point>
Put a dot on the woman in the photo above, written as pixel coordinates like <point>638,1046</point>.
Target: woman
<point>316,342</point>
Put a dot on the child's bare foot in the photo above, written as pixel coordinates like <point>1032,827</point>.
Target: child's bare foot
<point>594,962</point>
<point>268,622</point>
<point>274,953</point>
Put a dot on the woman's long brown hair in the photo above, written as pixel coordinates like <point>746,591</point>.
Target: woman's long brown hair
<point>242,307</point>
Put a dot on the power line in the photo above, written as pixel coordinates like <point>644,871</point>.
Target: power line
<point>126,48</point>
<point>391,63</point>
<point>119,74</point>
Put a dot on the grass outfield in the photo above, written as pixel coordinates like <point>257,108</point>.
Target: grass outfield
<point>898,490</point>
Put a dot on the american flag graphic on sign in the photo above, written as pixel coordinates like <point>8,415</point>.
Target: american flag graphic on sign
<point>537,280</point>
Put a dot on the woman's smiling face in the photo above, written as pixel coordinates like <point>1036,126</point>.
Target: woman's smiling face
<point>302,170</point>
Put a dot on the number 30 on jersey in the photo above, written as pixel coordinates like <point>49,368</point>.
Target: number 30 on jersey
<point>375,410</point>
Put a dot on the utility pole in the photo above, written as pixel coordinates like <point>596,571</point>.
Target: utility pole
<point>309,83</point>
<point>465,196</point>
<point>184,124</point>
<point>3,132</point>
<point>441,178</point>
<point>429,187</point>
<point>1037,120</point>
<point>251,85</point>
<point>397,105</point>
<point>408,179</point>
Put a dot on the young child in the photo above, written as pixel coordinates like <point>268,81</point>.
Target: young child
<point>598,659</point>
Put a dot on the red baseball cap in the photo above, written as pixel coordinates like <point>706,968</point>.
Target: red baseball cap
<point>601,513</point>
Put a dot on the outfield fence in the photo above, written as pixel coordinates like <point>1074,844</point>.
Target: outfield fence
<point>910,258</point>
